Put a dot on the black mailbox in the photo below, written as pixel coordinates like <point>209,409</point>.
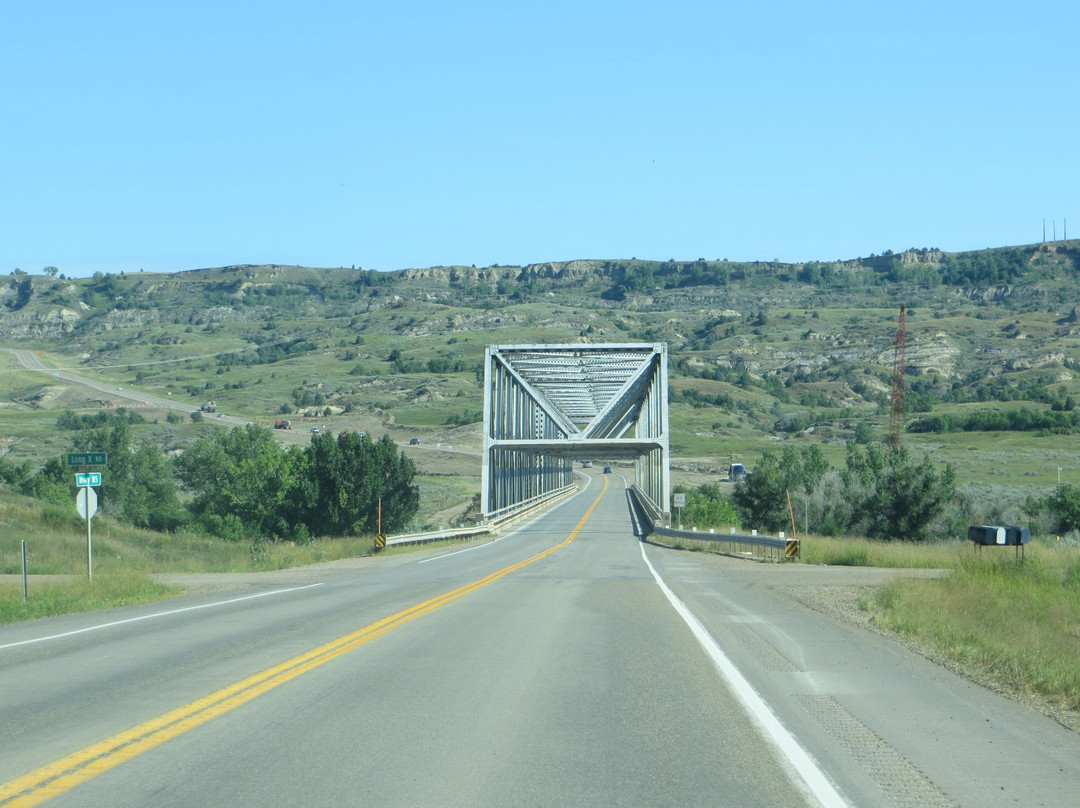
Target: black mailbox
<point>1017,535</point>
<point>1002,536</point>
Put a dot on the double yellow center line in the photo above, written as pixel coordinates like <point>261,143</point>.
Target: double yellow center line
<point>67,772</point>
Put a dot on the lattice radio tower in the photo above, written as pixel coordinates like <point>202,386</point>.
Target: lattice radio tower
<point>896,412</point>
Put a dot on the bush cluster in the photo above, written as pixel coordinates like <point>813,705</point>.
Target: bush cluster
<point>879,494</point>
<point>240,483</point>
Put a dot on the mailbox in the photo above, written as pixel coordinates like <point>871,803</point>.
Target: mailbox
<point>1017,535</point>
<point>1004,536</point>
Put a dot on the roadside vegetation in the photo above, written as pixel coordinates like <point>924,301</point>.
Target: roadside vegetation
<point>237,484</point>
<point>125,558</point>
<point>79,595</point>
<point>1014,626</point>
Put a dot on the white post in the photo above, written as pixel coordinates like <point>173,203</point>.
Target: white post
<point>89,556</point>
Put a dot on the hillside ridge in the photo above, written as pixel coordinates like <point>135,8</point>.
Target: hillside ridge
<point>760,352</point>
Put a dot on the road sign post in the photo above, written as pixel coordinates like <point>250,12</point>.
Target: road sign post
<point>679,501</point>
<point>86,503</point>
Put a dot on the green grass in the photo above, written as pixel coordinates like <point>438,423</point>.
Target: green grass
<point>79,595</point>
<point>848,552</point>
<point>1014,625</point>
<point>125,558</point>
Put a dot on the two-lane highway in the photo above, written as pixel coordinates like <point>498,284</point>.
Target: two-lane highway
<point>555,666</point>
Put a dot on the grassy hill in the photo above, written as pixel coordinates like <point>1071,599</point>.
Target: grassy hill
<point>761,353</point>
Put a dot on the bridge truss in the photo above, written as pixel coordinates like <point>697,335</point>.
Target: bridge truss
<point>546,406</point>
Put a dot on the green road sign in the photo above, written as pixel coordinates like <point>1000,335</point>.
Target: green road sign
<point>87,459</point>
<point>88,479</point>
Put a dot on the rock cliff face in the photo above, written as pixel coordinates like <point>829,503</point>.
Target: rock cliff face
<point>469,276</point>
<point>921,257</point>
<point>44,324</point>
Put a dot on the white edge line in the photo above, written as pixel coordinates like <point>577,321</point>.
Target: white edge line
<point>155,615</point>
<point>530,523</point>
<point>759,711</point>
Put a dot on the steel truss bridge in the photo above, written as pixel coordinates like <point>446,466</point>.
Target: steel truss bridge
<point>546,406</point>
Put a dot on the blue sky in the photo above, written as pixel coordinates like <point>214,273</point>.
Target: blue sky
<point>175,136</point>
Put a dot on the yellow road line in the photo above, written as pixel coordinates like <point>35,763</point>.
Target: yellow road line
<point>67,772</point>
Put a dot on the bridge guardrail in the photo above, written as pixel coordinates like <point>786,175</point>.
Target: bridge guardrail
<point>508,515</point>
<point>779,548</point>
<point>498,520</point>
<point>437,535</point>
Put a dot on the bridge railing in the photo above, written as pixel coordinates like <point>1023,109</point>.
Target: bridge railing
<point>494,522</point>
<point>512,513</point>
<point>742,544</point>
<point>438,535</point>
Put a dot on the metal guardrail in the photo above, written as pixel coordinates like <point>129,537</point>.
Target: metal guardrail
<point>496,521</point>
<point>519,509</point>
<point>438,535</point>
<point>779,548</point>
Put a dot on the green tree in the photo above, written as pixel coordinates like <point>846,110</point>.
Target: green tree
<point>51,483</point>
<point>762,499</point>
<point>345,480</point>
<point>897,497</point>
<point>237,474</point>
<point>138,487</point>
<point>706,507</point>
<point>1064,504</point>
<point>11,474</point>
<point>400,497</point>
<point>864,433</point>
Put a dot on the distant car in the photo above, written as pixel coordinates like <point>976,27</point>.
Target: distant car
<point>414,441</point>
<point>314,430</point>
<point>607,469</point>
<point>586,464</point>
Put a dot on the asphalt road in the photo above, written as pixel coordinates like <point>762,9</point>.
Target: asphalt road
<point>31,361</point>
<point>564,665</point>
